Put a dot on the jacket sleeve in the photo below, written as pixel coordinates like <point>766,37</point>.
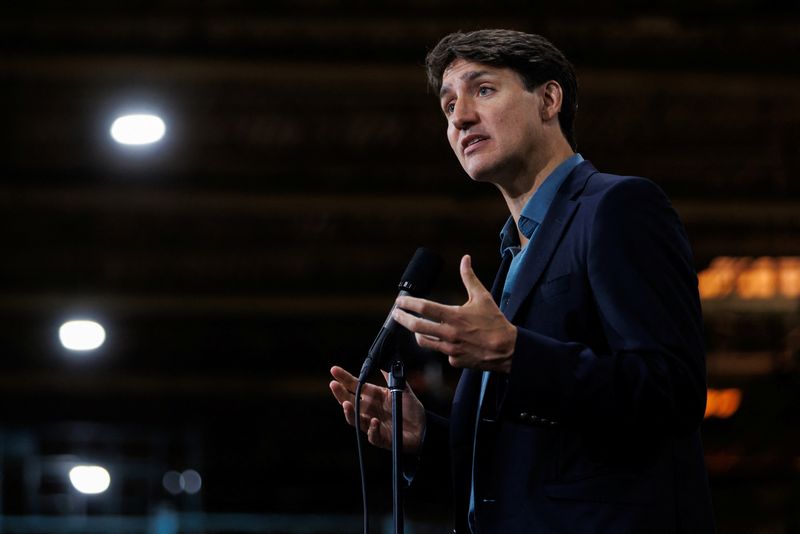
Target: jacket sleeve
<point>651,373</point>
<point>430,466</point>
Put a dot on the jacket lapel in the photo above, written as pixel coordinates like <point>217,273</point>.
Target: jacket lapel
<point>500,279</point>
<point>547,237</point>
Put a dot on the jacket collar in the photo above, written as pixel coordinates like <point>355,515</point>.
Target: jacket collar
<point>565,203</point>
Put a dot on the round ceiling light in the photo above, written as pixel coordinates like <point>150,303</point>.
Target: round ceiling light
<point>81,335</point>
<point>138,129</point>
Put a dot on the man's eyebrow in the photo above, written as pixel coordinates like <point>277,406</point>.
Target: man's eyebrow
<point>467,76</point>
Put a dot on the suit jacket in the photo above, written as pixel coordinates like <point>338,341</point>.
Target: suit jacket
<point>595,429</point>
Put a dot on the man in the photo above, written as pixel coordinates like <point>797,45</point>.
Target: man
<point>584,370</point>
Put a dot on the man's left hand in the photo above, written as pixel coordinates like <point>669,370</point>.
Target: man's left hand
<point>474,335</point>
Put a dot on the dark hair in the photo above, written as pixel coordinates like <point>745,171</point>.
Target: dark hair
<point>531,56</point>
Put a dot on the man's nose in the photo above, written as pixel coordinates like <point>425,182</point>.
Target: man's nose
<point>464,113</point>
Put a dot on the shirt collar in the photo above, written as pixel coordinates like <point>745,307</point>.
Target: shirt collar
<point>535,210</point>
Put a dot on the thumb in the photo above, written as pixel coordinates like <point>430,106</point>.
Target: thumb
<point>470,279</point>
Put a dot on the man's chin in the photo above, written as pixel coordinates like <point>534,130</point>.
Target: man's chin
<point>479,174</point>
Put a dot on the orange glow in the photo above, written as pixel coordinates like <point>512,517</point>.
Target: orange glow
<point>747,278</point>
<point>723,403</point>
<point>789,277</point>
<point>759,280</point>
<point>719,279</point>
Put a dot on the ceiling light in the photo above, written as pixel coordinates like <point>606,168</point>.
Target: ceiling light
<point>90,479</point>
<point>138,129</point>
<point>81,335</point>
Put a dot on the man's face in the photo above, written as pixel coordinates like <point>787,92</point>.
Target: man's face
<point>493,122</point>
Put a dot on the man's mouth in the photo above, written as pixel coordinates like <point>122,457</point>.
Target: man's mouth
<point>471,140</point>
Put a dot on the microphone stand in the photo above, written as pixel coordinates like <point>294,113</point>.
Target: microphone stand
<point>416,281</point>
<point>397,385</point>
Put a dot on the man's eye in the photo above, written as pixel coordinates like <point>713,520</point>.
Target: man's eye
<point>483,91</point>
<point>450,107</point>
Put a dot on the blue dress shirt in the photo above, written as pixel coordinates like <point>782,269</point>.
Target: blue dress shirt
<point>532,215</point>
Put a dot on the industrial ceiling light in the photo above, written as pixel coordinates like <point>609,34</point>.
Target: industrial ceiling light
<point>90,479</point>
<point>140,129</point>
<point>81,335</point>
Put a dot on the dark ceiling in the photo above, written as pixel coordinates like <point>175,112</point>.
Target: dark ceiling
<point>304,161</point>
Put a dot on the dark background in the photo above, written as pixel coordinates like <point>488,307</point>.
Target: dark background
<point>260,242</point>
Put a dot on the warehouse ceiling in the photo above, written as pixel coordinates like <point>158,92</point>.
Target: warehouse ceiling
<point>304,161</point>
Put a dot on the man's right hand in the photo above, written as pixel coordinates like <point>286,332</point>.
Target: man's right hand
<point>376,411</point>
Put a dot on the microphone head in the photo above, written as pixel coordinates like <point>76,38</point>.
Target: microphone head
<point>421,273</point>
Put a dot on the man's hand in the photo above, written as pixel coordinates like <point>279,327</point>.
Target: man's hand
<point>474,335</point>
<point>376,411</point>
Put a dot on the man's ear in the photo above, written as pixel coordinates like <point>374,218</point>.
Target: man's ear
<point>552,96</point>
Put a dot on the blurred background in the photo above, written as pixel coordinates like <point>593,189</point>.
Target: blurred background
<point>260,241</point>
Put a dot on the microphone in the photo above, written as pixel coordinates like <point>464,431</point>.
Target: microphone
<point>417,281</point>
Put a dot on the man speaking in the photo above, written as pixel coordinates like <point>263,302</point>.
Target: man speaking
<point>583,388</point>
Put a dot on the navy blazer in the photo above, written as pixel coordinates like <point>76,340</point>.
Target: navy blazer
<point>595,429</point>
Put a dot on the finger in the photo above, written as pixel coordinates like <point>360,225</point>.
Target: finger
<point>471,281</point>
<point>349,412</point>
<point>370,393</point>
<point>340,392</point>
<point>350,416</point>
<point>343,377</point>
<point>349,383</point>
<point>374,433</point>
<point>455,362</point>
<point>424,326</point>
<point>420,337</point>
<point>426,308</point>
<point>444,347</point>
<point>372,398</point>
